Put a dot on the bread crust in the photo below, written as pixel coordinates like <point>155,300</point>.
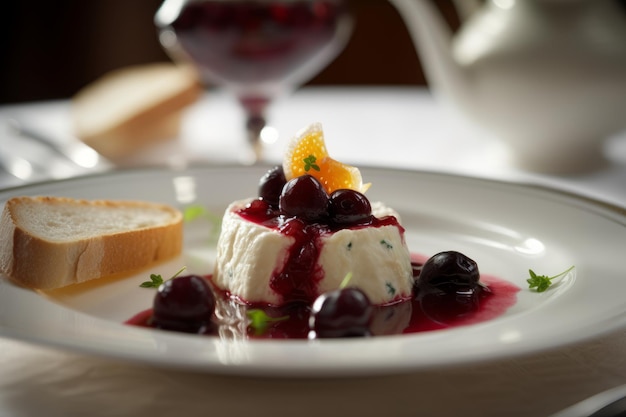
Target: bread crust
<point>41,263</point>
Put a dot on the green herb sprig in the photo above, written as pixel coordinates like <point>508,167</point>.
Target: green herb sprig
<point>193,212</point>
<point>260,321</point>
<point>309,163</point>
<point>196,212</point>
<point>156,280</point>
<point>542,282</point>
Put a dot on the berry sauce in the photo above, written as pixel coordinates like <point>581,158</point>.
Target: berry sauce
<point>291,321</point>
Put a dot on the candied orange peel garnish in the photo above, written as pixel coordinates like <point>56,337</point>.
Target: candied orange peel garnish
<point>306,154</point>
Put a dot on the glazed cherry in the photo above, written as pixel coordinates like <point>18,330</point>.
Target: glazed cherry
<point>450,272</point>
<point>184,304</point>
<point>304,197</point>
<point>271,185</point>
<point>349,207</point>
<point>345,312</point>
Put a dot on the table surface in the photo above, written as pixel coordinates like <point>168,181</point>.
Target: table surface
<point>363,126</point>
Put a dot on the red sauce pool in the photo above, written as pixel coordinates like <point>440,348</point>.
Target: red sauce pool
<point>420,314</point>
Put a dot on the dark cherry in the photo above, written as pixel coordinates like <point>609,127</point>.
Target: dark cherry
<point>304,197</point>
<point>448,287</point>
<point>184,304</point>
<point>349,207</point>
<point>449,272</point>
<point>345,312</point>
<point>271,185</point>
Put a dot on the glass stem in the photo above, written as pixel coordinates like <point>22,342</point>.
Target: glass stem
<point>255,122</point>
<point>254,126</point>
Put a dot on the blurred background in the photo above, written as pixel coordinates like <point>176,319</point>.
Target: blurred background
<point>51,49</point>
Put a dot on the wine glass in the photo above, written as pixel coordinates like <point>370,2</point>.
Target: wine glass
<point>256,49</point>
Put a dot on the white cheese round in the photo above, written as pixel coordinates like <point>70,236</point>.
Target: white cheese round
<point>249,255</point>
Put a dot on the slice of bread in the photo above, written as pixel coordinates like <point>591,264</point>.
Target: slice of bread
<point>51,242</point>
<point>131,107</point>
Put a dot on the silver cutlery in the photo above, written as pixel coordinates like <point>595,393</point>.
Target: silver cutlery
<point>71,149</point>
<point>45,156</point>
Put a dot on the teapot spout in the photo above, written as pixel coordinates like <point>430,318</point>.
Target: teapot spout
<point>432,38</point>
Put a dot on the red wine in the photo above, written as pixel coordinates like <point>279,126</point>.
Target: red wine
<point>258,48</point>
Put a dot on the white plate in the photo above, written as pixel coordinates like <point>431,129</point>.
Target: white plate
<point>506,228</point>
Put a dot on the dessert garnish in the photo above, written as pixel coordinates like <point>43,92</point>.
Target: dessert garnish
<point>156,279</point>
<point>307,154</point>
<point>542,282</point>
<point>185,304</point>
<point>345,312</point>
<point>197,212</point>
<point>449,272</point>
<point>193,212</point>
<point>259,320</point>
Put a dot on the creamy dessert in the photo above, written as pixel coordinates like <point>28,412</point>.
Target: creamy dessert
<point>255,252</point>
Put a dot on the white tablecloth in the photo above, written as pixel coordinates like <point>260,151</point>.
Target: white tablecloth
<point>401,127</point>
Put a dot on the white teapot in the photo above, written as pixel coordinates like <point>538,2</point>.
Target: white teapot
<point>547,77</point>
